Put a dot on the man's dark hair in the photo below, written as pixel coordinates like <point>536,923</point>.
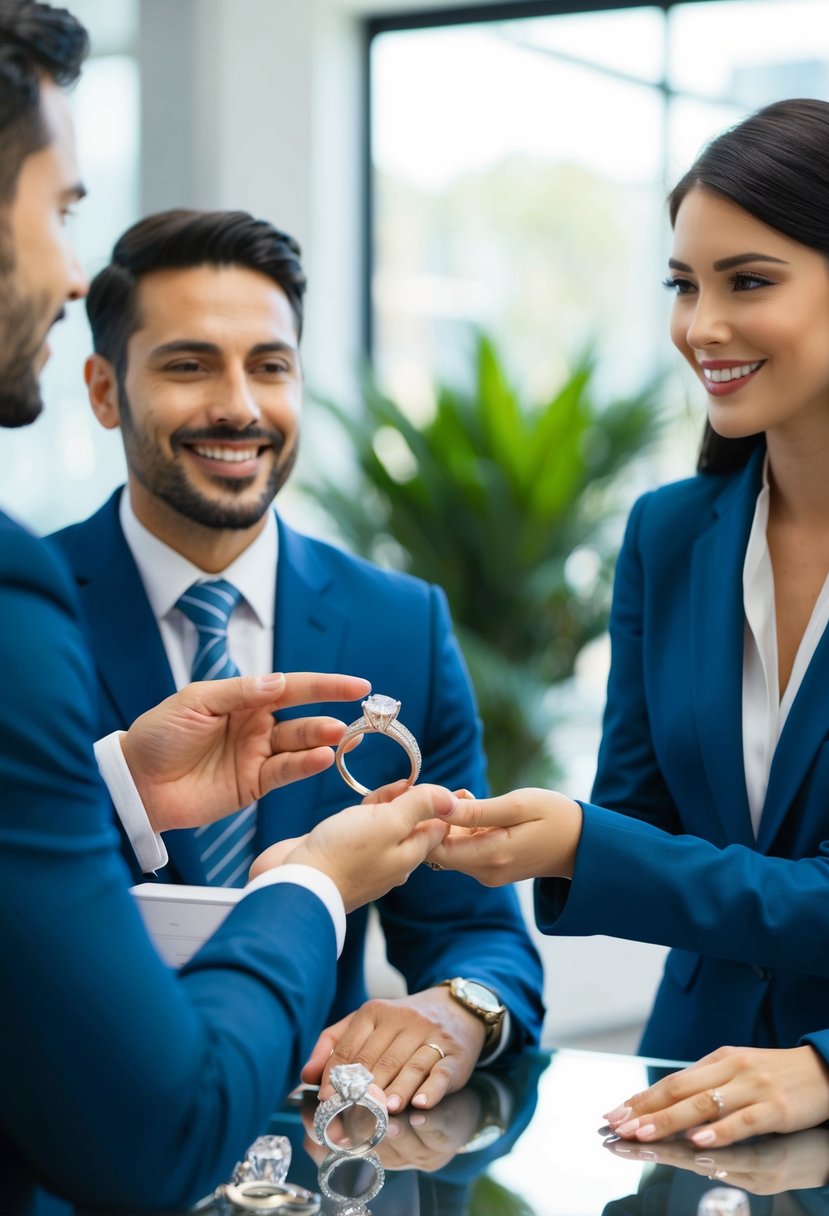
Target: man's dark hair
<point>180,240</point>
<point>35,40</point>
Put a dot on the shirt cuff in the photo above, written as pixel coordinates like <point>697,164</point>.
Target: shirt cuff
<point>319,884</point>
<point>148,846</point>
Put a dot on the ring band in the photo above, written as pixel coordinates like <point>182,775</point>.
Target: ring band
<point>434,865</point>
<point>331,1162</point>
<point>718,1100</point>
<point>379,717</point>
<point>350,1082</point>
<point>258,1196</point>
<point>435,1047</point>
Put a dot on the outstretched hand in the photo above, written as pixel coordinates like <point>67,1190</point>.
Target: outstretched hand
<point>214,746</point>
<point>529,833</point>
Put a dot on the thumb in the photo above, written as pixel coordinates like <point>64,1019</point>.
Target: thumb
<point>220,697</point>
<point>418,804</point>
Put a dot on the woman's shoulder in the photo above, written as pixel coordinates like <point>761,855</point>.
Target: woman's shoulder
<point>681,508</point>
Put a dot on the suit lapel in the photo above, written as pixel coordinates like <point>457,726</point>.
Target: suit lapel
<point>309,635</point>
<point>806,729</point>
<point>717,648</point>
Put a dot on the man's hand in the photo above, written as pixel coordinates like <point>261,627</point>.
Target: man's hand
<point>392,1039</point>
<point>529,833</point>
<point>214,747</point>
<point>368,849</point>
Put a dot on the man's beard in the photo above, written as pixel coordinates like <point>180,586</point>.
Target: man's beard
<point>168,481</point>
<point>20,400</point>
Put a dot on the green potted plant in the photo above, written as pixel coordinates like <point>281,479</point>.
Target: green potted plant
<point>511,508</point>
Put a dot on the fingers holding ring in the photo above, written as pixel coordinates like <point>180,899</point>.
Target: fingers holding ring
<point>719,1101</point>
<point>435,1047</point>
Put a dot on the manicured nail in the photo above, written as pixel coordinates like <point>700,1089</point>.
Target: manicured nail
<point>647,1132</point>
<point>393,1102</point>
<point>417,1120</point>
<point>269,682</point>
<point>706,1136</point>
<point>618,1115</point>
<point>393,1129</point>
<point>419,1100</point>
<point>627,1129</point>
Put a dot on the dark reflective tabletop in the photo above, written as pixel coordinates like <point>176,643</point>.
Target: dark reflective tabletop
<point>528,1141</point>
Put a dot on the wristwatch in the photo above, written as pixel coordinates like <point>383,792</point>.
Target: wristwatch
<point>484,1003</point>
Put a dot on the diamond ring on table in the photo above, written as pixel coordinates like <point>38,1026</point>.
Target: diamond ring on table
<point>354,1203</point>
<point>350,1081</point>
<point>379,717</point>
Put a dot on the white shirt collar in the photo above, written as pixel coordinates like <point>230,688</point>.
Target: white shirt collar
<point>167,574</point>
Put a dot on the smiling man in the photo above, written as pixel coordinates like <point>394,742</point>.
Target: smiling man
<point>196,325</point>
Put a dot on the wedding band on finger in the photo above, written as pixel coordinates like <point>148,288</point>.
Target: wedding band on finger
<point>435,1047</point>
<point>350,1081</point>
<point>718,1100</point>
<point>379,717</point>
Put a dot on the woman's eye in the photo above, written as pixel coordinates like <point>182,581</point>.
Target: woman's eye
<point>681,287</point>
<point>744,281</point>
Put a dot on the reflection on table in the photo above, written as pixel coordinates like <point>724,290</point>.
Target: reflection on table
<point>527,1141</point>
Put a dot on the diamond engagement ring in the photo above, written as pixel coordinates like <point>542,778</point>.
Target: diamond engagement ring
<point>350,1081</point>
<point>260,1196</point>
<point>346,1202</point>
<point>718,1100</point>
<point>379,717</point>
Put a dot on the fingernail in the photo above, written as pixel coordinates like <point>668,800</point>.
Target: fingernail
<point>706,1136</point>
<point>393,1129</point>
<point>274,680</point>
<point>648,1132</point>
<point>393,1102</point>
<point>627,1129</point>
<point>623,1148</point>
<point>618,1115</point>
<point>647,1155</point>
<point>417,1120</point>
<point>419,1100</point>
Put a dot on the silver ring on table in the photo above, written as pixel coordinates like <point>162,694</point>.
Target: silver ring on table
<point>259,1196</point>
<point>350,1081</point>
<point>331,1162</point>
<point>379,717</point>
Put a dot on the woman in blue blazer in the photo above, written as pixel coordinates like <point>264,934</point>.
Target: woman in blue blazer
<point>709,824</point>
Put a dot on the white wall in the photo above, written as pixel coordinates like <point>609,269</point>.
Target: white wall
<point>257,104</point>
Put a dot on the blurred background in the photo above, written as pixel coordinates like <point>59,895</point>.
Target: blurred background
<point>479,193</point>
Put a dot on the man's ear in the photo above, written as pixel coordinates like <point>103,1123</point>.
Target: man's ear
<point>102,386</point>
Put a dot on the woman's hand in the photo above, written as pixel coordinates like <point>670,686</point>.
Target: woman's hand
<point>729,1095</point>
<point>529,833</point>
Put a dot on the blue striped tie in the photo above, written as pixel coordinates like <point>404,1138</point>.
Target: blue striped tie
<point>226,847</point>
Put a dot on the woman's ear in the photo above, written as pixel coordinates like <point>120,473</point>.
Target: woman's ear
<point>102,386</point>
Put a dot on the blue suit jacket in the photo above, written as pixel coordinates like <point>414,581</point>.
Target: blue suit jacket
<point>335,612</point>
<point>122,1083</point>
<point>680,866</point>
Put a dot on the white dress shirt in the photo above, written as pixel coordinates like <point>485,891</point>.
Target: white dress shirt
<point>764,711</point>
<point>166,576</point>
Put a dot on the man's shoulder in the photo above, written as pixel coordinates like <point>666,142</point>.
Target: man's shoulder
<point>348,569</point>
<point>26,560</point>
<point>84,543</point>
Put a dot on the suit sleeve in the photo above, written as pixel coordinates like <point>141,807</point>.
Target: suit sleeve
<point>628,777</point>
<point>439,924</point>
<point>634,881</point>
<point>124,1083</point>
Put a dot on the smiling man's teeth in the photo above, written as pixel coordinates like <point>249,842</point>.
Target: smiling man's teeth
<point>232,455</point>
<point>721,375</point>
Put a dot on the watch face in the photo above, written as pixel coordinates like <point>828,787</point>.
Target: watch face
<point>478,995</point>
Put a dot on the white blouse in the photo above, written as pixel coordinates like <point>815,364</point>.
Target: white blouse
<point>764,713</point>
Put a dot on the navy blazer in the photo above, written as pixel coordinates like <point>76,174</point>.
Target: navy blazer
<point>122,1083</point>
<point>335,612</point>
<point>749,918</point>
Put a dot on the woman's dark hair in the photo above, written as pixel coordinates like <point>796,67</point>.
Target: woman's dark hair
<point>179,240</point>
<point>35,40</point>
<point>774,165</point>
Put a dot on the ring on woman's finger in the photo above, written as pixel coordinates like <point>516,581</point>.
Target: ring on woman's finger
<point>435,1047</point>
<point>719,1101</point>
